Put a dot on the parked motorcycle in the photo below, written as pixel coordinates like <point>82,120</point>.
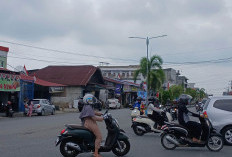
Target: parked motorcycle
<point>143,124</point>
<point>76,139</point>
<point>175,135</point>
<point>8,110</point>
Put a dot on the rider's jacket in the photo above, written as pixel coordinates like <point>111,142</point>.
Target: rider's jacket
<point>137,104</point>
<point>183,114</point>
<point>152,108</point>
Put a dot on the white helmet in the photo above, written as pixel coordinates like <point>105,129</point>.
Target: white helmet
<point>89,99</point>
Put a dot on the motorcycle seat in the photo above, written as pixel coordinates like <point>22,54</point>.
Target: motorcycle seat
<point>143,116</point>
<point>76,126</point>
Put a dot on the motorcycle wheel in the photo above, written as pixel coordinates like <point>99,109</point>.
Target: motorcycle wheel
<point>138,131</point>
<point>165,143</point>
<point>66,151</point>
<point>123,149</point>
<point>215,143</point>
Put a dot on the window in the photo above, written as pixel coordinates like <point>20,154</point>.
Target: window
<point>225,104</point>
<point>1,63</point>
<point>206,104</point>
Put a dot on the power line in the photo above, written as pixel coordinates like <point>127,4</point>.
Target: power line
<point>63,52</point>
<point>47,61</point>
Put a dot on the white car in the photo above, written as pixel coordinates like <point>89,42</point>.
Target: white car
<point>41,107</point>
<point>113,103</point>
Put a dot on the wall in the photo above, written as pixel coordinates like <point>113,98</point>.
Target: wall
<point>71,94</point>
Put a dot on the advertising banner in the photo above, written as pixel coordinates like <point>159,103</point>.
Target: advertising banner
<point>142,94</point>
<point>118,89</point>
<point>9,82</point>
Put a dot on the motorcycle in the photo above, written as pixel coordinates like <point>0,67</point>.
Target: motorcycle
<point>175,135</point>
<point>9,111</point>
<point>76,139</point>
<point>135,112</point>
<point>173,112</point>
<point>142,124</point>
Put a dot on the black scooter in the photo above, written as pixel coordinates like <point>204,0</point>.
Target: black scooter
<point>9,111</point>
<point>175,135</point>
<point>76,139</point>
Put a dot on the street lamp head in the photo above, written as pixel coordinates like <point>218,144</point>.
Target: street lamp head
<point>160,36</point>
<point>137,37</point>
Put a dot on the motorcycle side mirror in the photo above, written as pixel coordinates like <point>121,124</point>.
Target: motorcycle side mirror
<point>106,111</point>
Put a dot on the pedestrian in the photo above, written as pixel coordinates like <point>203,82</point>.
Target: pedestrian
<point>89,119</point>
<point>30,108</point>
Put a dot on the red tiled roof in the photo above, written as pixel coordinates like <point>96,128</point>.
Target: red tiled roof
<point>6,49</point>
<point>39,81</point>
<point>4,69</point>
<point>67,75</point>
<point>47,84</point>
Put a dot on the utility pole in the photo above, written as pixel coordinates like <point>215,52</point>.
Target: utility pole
<point>147,43</point>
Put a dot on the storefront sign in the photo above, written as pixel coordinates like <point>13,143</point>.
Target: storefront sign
<point>126,88</point>
<point>56,89</point>
<point>9,82</point>
<point>134,89</point>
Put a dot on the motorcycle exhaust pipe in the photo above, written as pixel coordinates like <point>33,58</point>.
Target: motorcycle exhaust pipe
<point>74,146</point>
<point>141,128</point>
<point>172,140</point>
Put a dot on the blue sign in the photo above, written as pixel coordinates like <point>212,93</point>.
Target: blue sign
<point>142,94</point>
<point>118,88</point>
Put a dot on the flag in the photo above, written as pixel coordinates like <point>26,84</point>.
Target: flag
<point>25,70</point>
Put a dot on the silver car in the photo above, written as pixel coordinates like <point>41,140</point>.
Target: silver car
<point>41,107</point>
<point>219,112</point>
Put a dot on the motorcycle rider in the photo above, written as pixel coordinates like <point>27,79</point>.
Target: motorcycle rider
<point>89,119</point>
<point>183,118</point>
<point>138,103</point>
<point>8,107</point>
<point>153,111</point>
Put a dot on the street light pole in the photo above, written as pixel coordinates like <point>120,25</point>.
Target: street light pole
<point>147,43</point>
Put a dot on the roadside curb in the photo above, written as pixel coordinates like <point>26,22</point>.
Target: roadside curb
<point>21,114</point>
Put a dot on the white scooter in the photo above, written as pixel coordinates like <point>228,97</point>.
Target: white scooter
<point>135,113</point>
<point>142,124</point>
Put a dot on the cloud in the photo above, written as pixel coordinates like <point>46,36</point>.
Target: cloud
<point>197,30</point>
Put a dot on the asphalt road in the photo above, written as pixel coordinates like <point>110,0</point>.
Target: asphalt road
<point>35,137</point>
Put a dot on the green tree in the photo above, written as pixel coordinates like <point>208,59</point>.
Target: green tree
<point>192,92</point>
<point>155,72</point>
<point>176,91</point>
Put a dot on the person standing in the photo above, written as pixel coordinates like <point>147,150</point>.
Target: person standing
<point>30,108</point>
<point>89,119</point>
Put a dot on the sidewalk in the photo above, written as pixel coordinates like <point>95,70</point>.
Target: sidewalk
<point>21,114</point>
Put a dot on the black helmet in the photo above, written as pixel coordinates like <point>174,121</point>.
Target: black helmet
<point>153,99</point>
<point>139,98</point>
<point>184,99</point>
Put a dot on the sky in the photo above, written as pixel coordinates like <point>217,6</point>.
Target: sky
<point>80,32</point>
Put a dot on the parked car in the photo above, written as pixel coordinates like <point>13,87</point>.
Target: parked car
<point>41,107</point>
<point>219,112</point>
<point>113,103</point>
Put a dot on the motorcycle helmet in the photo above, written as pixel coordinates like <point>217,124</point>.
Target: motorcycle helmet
<point>139,99</point>
<point>185,99</point>
<point>89,99</point>
<point>153,99</point>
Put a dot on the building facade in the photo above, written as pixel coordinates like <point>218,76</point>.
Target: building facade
<point>122,73</point>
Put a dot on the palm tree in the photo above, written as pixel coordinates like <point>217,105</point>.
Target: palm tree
<point>155,72</point>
